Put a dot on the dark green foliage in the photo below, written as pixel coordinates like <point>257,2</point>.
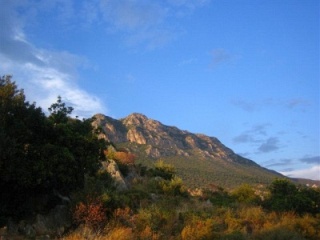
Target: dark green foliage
<point>39,154</point>
<point>59,112</point>
<point>220,198</point>
<point>286,196</point>
<point>123,168</point>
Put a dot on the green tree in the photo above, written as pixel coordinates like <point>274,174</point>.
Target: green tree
<point>286,196</point>
<point>39,154</point>
<point>77,141</point>
<point>22,127</point>
<point>59,112</point>
<point>282,195</point>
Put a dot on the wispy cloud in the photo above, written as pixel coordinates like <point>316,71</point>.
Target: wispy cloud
<point>244,138</point>
<point>311,160</point>
<point>278,163</point>
<point>143,22</point>
<point>309,173</point>
<point>270,145</point>
<point>244,105</point>
<point>297,104</point>
<point>185,7</point>
<point>132,15</point>
<point>257,135</point>
<point>188,3</point>
<point>147,23</point>
<point>219,56</point>
<point>252,135</point>
<point>44,73</point>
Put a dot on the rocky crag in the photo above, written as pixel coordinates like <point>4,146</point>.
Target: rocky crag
<point>150,139</point>
<point>161,140</point>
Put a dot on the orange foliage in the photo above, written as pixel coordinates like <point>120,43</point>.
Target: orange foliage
<point>92,213</point>
<point>123,216</point>
<point>124,157</point>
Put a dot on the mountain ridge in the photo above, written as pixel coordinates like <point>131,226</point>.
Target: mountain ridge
<point>151,140</point>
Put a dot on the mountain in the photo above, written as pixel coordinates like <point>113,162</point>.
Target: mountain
<point>200,160</point>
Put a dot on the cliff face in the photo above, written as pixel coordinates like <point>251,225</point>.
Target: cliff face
<point>163,141</point>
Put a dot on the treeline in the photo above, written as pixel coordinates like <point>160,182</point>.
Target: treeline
<point>41,154</point>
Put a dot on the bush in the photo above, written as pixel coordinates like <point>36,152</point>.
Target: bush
<point>198,229</point>
<point>285,196</point>
<point>91,213</point>
<point>245,194</point>
<point>120,233</point>
<point>173,187</point>
<point>164,170</point>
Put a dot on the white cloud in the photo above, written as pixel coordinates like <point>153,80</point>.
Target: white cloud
<point>42,73</point>
<point>309,173</point>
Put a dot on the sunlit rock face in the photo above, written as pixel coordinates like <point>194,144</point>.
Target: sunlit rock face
<point>111,167</point>
<point>112,129</point>
<point>161,140</point>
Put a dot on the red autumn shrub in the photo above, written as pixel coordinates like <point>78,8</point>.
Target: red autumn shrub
<point>91,213</point>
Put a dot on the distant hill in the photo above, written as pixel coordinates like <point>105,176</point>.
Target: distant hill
<point>200,160</point>
<point>306,182</point>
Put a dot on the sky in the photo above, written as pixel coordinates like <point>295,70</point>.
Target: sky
<point>246,72</point>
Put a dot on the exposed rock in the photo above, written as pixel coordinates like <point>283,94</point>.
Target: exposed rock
<point>134,135</point>
<point>161,140</point>
<point>111,167</point>
<point>113,130</point>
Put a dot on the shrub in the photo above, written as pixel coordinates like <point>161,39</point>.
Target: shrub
<point>120,233</point>
<point>285,196</point>
<point>147,234</point>
<point>91,213</point>
<point>164,170</point>
<point>198,229</point>
<point>245,194</point>
<point>173,187</point>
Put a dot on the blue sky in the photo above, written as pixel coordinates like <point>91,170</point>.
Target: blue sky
<point>246,72</point>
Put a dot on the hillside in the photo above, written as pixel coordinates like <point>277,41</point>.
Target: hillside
<point>58,180</point>
<point>200,160</point>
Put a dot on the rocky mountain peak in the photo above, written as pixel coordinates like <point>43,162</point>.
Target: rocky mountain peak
<point>135,119</point>
<point>197,157</point>
<point>160,140</point>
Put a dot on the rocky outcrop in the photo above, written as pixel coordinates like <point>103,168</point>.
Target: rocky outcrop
<point>161,140</point>
<point>111,167</point>
<point>112,129</point>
